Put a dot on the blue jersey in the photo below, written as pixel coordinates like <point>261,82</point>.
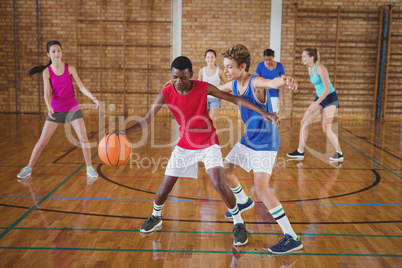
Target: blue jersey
<point>319,85</point>
<point>271,74</point>
<point>260,135</point>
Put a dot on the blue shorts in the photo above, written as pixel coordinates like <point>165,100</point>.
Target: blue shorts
<point>330,99</point>
<point>213,103</point>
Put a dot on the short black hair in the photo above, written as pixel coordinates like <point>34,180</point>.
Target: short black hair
<point>182,63</point>
<point>269,52</point>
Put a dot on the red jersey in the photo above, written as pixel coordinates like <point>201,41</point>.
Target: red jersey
<point>190,111</point>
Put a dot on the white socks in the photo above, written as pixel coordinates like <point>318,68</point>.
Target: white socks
<point>236,215</point>
<point>241,197</point>
<point>157,210</point>
<point>279,215</point>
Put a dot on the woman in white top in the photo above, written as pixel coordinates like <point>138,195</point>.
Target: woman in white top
<point>213,75</point>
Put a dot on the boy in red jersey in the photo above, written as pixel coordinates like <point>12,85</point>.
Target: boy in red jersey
<point>198,140</point>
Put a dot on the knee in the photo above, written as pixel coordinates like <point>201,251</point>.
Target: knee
<point>261,190</point>
<point>219,185</point>
<point>42,144</point>
<point>325,130</point>
<point>163,192</point>
<point>83,140</point>
<point>227,174</point>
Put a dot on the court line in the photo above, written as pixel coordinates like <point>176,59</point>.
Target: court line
<point>79,145</point>
<point>350,204</point>
<point>206,178</point>
<point>195,221</point>
<point>42,200</point>
<point>375,161</point>
<point>374,184</point>
<point>204,251</point>
<point>190,201</point>
<point>369,142</point>
<point>41,166</point>
<point>194,232</point>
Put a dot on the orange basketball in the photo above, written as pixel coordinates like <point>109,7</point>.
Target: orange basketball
<point>115,149</point>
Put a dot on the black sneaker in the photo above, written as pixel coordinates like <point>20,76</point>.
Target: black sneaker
<point>296,155</point>
<point>150,224</point>
<point>338,157</point>
<point>240,234</point>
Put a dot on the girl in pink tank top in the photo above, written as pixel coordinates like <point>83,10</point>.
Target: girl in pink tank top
<point>61,104</point>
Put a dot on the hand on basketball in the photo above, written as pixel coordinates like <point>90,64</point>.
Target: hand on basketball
<point>290,82</point>
<point>51,112</point>
<point>117,131</point>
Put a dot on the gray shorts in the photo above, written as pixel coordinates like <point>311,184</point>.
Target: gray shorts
<point>62,117</point>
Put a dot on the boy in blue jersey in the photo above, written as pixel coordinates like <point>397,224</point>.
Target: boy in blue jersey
<point>271,69</point>
<point>258,148</point>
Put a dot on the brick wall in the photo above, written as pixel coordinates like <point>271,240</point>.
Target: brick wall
<point>357,55</point>
<point>217,24</point>
<point>122,48</point>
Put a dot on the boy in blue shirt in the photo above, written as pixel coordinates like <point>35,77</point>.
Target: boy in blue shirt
<point>271,69</point>
<point>258,148</point>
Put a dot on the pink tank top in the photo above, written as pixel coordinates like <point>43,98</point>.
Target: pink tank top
<point>196,128</point>
<point>63,95</point>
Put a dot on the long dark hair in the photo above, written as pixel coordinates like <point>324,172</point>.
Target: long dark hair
<point>39,69</point>
<point>313,52</point>
<point>210,50</point>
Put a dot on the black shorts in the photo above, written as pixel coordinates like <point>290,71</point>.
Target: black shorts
<point>62,117</point>
<point>330,99</point>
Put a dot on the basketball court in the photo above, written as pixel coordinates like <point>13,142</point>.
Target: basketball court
<point>347,215</point>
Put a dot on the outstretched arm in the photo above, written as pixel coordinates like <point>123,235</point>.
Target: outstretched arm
<point>81,86</point>
<point>214,91</point>
<point>48,93</point>
<point>227,87</point>
<point>278,82</point>
<point>143,124</point>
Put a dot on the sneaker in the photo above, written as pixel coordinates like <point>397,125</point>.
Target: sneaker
<point>286,245</point>
<point>338,157</point>
<point>240,234</point>
<point>91,172</point>
<point>242,207</point>
<point>296,155</point>
<point>25,173</point>
<point>150,224</point>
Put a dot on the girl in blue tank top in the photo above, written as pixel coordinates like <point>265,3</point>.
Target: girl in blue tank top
<point>257,149</point>
<point>325,103</point>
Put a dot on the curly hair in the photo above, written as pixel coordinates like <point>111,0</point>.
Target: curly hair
<point>239,53</point>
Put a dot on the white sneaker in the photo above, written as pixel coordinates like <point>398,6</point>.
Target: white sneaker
<point>91,172</point>
<point>25,173</point>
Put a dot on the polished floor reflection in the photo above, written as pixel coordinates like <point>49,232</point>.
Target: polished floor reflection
<point>348,214</point>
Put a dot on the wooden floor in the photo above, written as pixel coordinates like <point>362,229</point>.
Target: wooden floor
<point>348,215</point>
